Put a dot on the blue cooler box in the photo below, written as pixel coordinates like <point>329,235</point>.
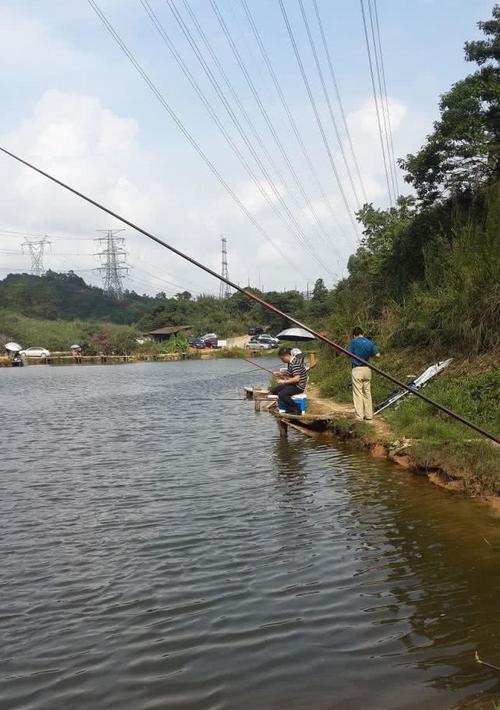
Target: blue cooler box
<point>301,401</point>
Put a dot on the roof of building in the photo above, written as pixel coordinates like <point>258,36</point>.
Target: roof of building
<point>169,329</point>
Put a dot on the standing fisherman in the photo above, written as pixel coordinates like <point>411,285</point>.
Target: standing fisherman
<point>294,383</point>
<point>362,375</point>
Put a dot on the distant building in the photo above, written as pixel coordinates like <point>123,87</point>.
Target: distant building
<point>166,332</point>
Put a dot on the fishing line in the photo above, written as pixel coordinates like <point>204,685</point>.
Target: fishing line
<point>259,366</point>
<point>257,299</point>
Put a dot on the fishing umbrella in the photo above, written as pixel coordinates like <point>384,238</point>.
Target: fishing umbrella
<point>13,347</point>
<point>75,347</point>
<point>295,334</point>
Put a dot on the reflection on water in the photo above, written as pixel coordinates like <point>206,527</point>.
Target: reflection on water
<point>161,549</point>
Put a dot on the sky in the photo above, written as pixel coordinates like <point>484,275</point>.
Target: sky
<point>193,169</point>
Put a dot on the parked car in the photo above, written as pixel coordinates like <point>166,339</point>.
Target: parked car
<point>35,352</point>
<point>257,345</point>
<point>209,336</point>
<point>265,338</point>
<point>196,343</point>
<point>255,330</point>
<point>211,342</point>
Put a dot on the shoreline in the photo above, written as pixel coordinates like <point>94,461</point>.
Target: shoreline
<point>380,441</point>
<point>209,354</point>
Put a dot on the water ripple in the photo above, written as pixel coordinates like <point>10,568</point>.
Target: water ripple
<point>161,549</point>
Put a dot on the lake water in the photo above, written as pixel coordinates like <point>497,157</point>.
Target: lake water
<point>161,549</point>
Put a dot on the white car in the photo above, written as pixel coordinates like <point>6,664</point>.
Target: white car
<point>35,352</point>
<point>257,345</point>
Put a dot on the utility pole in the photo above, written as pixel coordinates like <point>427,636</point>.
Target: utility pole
<point>35,249</point>
<point>113,261</point>
<point>224,290</point>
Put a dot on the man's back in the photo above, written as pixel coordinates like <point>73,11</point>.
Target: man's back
<point>297,367</point>
<point>363,347</point>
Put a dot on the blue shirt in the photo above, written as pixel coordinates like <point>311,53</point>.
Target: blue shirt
<point>363,347</point>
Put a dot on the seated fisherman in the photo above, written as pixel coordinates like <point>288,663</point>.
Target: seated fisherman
<point>294,383</point>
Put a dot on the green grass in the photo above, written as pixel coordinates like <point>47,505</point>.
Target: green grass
<point>439,441</point>
<point>61,334</point>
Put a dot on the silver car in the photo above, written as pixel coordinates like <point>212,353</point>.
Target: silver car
<point>265,338</point>
<point>35,352</point>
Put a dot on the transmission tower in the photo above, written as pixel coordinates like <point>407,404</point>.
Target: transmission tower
<point>35,249</point>
<point>224,290</point>
<point>113,261</point>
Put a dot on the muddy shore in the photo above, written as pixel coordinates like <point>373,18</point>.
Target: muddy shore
<point>380,441</point>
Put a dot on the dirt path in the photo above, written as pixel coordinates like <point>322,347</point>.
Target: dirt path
<point>323,405</point>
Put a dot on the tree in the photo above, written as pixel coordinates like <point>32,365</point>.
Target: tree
<point>320,291</point>
<point>461,154</point>
<point>183,296</point>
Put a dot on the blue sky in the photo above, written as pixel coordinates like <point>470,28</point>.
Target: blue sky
<point>73,103</point>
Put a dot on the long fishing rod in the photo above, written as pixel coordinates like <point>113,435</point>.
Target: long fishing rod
<point>259,366</point>
<point>257,299</point>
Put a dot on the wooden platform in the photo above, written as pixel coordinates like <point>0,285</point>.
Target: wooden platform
<point>305,423</point>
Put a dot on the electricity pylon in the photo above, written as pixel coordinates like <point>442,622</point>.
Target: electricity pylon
<point>113,259</point>
<point>224,290</point>
<point>36,248</point>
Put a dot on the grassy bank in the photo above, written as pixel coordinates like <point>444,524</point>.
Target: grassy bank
<point>469,387</point>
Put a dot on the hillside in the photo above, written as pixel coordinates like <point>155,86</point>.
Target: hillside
<point>66,296</point>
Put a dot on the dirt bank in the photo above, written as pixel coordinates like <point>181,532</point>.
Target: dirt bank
<point>380,440</point>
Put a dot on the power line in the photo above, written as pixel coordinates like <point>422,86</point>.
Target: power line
<point>391,144</point>
<point>291,120</point>
<point>142,283</point>
<point>247,76</point>
<point>339,99</point>
<point>382,103</point>
<point>255,133</point>
<point>316,114</point>
<point>376,105</point>
<point>234,94</point>
<point>10,232</point>
<point>327,99</point>
<point>165,281</point>
<point>186,133</point>
<point>296,228</point>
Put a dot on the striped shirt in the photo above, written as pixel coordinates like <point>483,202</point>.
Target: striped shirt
<point>297,367</point>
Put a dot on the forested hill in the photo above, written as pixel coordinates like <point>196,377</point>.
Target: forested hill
<point>66,296</point>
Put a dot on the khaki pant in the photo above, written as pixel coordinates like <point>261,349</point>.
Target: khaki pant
<point>361,392</point>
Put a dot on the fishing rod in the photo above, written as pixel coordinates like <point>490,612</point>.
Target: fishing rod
<point>257,299</point>
<point>259,366</point>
